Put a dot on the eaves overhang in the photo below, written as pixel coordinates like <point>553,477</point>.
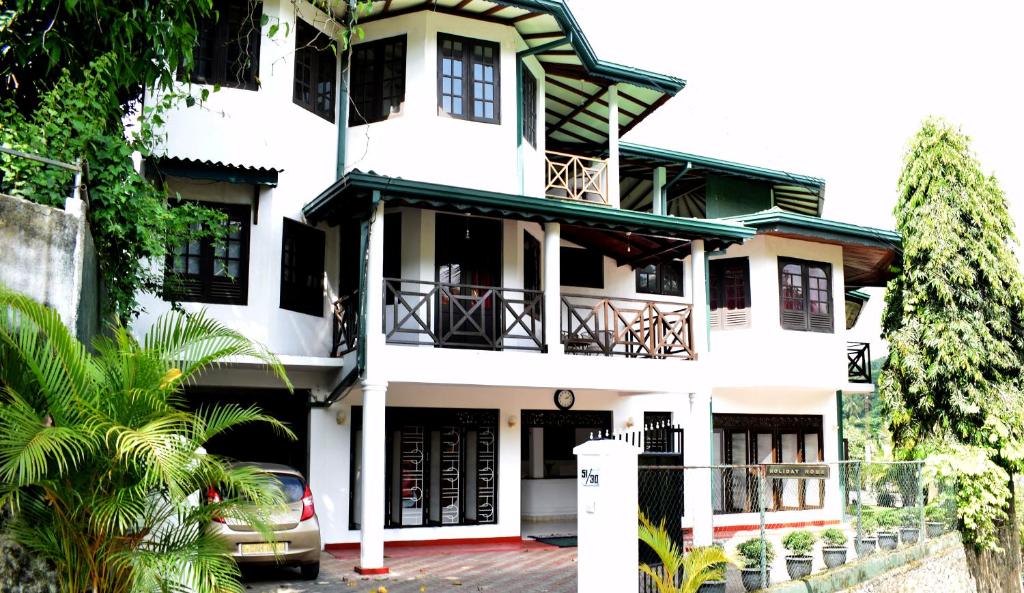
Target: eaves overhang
<point>208,170</point>
<point>353,194</point>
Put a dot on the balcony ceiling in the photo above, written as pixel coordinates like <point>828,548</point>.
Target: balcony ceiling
<point>577,82</point>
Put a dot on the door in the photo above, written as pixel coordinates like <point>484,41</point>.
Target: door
<point>468,255</point>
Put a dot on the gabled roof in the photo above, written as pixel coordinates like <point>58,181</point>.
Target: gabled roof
<point>868,253</point>
<point>576,111</point>
<point>214,171</point>
<point>802,194</point>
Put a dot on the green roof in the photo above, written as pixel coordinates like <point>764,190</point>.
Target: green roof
<point>353,193</point>
<point>778,220</point>
<point>858,295</point>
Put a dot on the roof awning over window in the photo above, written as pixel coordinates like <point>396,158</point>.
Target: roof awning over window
<point>215,171</point>
<point>352,196</point>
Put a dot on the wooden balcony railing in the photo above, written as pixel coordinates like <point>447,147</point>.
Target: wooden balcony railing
<point>858,362</point>
<point>463,315</point>
<point>627,327</point>
<point>346,324</point>
<point>571,177</point>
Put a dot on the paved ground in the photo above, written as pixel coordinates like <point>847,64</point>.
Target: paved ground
<point>530,567</point>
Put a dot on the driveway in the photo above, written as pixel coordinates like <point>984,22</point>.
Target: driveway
<point>529,567</point>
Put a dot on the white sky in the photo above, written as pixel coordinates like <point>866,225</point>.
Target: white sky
<point>827,89</point>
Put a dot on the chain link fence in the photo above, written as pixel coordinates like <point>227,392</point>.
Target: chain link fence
<point>850,509</point>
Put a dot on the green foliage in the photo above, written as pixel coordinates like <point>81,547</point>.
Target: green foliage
<point>750,551</point>
<point>868,523</point>
<point>799,542</point>
<point>101,463</point>
<point>936,512</point>
<point>981,492</point>
<point>833,537</point>
<point>952,320</point>
<point>700,565</point>
<point>889,519</point>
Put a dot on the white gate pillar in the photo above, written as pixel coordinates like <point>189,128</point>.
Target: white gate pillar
<point>371,528</point>
<point>606,516</point>
<point>698,480</point>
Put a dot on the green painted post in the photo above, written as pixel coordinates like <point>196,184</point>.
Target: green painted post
<point>342,118</point>
<point>841,465</point>
<point>860,527</point>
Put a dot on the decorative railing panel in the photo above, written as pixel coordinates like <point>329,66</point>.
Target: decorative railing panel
<point>627,327</point>
<point>858,362</point>
<point>572,177</point>
<point>463,315</point>
<point>346,324</point>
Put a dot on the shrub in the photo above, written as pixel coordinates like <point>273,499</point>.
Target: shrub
<point>833,537</point>
<point>750,551</point>
<point>868,523</point>
<point>936,512</point>
<point>888,519</point>
<point>910,517</point>
<point>799,543</point>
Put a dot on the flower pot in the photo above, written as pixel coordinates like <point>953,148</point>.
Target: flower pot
<point>866,545</point>
<point>712,587</point>
<point>834,555</point>
<point>910,535</point>
<point>751,578</point>
<point>888,540</point>
<point>934,528</point>
<point>798,566</point>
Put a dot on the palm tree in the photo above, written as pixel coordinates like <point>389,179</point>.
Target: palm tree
<point>103,466</point>
<point>696,567</point>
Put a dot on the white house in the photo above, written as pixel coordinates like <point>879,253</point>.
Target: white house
<point>466,272</point>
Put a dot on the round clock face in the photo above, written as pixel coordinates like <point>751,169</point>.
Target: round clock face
<point>564,399</point>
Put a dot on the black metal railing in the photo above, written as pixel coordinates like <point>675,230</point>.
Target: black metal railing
<point>463,315</point>
<point>346,324</point>
<point>626,327</point>
<point>858,362</point>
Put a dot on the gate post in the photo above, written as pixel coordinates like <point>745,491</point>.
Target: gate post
<point>606,497</point>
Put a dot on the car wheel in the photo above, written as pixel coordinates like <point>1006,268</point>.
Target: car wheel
<point>310,571</point>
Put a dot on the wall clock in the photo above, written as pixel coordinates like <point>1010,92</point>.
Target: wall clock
<point>564,399</point>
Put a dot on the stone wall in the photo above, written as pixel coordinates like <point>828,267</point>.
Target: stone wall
<point>942,572</point>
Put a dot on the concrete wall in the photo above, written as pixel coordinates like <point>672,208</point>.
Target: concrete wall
<point>48,254</point>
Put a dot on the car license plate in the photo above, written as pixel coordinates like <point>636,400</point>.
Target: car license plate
<point>263,548</point>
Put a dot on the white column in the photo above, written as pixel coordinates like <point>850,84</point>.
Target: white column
<point>658,200</point>
<point>697,481</point>
<point>613,146</point>
<point>606,516</point>
<point>698,284</point>
<point>375,298</point>
<point>371,485</point>
<point>553,287</point>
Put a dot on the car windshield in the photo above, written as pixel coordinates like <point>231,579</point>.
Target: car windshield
<point>291,486</point>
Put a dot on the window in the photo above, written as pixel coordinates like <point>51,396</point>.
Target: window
<point>529,107</point>
<point>315,71</point>
<point>730,292</point>
<point>441,467</point>
<point>581,267</point>
<point>467,80</point>
<point>377,85</point>
<point>227,49</point>
<point>805,295</point>
<point>549,436</point>
<point>212,271</point>
<point>302,268</point>
<point>662,278</point>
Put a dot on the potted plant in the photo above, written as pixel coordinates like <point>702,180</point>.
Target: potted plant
<point>799,544</point>
<point>679,572</point>
<point>750,552</point>
<point>866,541</point>
<point>910,530</point>
<point>715,574</point>
<point>935,520</point>
<point>888,520</point>
<point>833,552</point>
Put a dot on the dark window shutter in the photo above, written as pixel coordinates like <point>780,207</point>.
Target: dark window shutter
<point>730,293</point>
<point>377,80</point>
<point>302,268</point>
<point>227,48</point>
<point>208,271</point>
<point>529,107</point>
<point>805,295</point>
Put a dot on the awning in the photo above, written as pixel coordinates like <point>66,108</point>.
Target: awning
<point>352,196</point>
<point>214,171</point>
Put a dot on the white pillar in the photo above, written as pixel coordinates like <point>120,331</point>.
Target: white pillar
<point>699,286</point>
<point>613,146</point>
<point>375,298</point>
<point>657,199</point>
<point>697,481</point>
<point>371,485</point>
<point>553,287</point>
<point>606,517</point>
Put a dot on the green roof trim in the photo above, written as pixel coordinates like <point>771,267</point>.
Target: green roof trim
<point>215,171</point>
<point>609,70</point>
<point>782,221</point>
<point>713,164</point>
<point>858,295</point>
<point>356,184</point>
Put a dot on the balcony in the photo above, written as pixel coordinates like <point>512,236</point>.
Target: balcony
<point>577,178</point>
<point>345,329</point>
<point>634,328</point>
<point>858,362</point>
<point>463,316</point>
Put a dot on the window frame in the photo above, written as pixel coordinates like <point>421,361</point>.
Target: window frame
<point>206,281</point>
<point>659,279</point>
<point>468,82</point>
<point>311,244</point>
<point>216,31</point>
<point>376,82</point>
<point>825,323</point>
<point>314,44</point>
<point>529,132</point>
<point>717,319</point>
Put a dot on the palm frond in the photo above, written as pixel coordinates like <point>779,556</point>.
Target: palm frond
<point>700,565</point>
<point>659,540</point>
<point>213,420</point>
<point>31,446</point>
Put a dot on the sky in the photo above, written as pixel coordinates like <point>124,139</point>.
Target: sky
<point>828,89</point>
